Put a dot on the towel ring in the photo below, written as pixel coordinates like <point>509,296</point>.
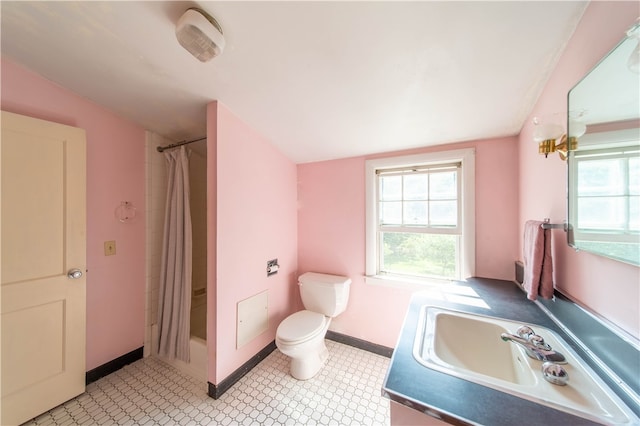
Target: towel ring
<point>125,212</point>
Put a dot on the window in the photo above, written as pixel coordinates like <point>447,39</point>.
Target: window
<point>420,216</point>
<point>607,198</point>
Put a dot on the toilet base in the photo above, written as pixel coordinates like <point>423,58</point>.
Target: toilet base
<point>308,366</point>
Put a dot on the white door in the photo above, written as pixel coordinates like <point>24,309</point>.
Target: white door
<point>43,239</point>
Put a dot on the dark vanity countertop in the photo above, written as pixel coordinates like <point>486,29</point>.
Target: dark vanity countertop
<point>458,401</point>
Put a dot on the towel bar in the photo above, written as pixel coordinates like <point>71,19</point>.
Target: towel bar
<point>546,224</point>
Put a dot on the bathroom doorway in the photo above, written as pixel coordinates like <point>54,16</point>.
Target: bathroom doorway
<point>43,264</point>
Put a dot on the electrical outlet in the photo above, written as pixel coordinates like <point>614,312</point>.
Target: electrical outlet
<point>109,248</point>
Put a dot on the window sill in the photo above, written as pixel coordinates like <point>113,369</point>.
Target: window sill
<point>397,281</point>
<point>454,291</point>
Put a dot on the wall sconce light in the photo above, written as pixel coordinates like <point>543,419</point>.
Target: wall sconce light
<point>634,59</point>
<point>548,130</point>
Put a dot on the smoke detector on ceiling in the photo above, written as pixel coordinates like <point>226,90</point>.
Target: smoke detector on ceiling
<point>200,34</point>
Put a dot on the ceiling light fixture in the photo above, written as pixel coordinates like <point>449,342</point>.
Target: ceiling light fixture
<point>200,34</point>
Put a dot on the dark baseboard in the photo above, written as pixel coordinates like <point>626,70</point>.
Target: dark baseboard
<point>113,365</point>
<point>216,391</point>
<point>360,344</point>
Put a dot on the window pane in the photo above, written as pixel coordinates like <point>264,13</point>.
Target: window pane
<point>416,187</point>
<point>391,188</point>
<point>443,213</point>
<point>634,214</point>
<point>415,213</point>
<point>634,176</point>
<point>600,177</point>
<point>391,213</point>
<point>443,186</point>
<point>601,213</point>
<point>419,254</point>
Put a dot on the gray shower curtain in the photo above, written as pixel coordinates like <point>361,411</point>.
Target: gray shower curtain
<point>174,298</point>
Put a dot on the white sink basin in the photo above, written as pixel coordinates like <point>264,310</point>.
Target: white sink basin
<point>469,347</point>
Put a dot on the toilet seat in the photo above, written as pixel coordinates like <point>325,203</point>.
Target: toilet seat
<point>300,327</point>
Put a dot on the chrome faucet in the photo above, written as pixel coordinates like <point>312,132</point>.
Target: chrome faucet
<point>534,345</point>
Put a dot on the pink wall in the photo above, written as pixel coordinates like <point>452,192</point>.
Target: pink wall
<point>331,231</point>
<point>115,173</point>
<point>253,184</point>
<point>256,222</point>
<point>610,288</point>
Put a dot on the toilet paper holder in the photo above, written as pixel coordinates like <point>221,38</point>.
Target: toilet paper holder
<point>272,267</point>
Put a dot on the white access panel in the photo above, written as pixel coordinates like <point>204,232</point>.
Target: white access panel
<point>253,318</point>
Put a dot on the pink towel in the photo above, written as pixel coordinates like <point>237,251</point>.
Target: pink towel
<point>538,264</point>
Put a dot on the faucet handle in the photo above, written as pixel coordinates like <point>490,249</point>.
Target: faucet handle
<point>555,374</point>
<point>525,332</point>
<point>538,342</point>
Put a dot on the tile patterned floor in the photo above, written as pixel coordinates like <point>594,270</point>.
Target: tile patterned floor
<point>148,392</point>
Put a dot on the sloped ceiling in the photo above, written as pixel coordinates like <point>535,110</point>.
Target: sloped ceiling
<point>321,80</point>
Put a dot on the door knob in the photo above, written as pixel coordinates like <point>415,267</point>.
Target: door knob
<point>74,274</point>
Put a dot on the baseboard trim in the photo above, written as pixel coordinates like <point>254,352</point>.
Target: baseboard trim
<point>113,365</point>
<point>216,391</point>
<point>360,344</point>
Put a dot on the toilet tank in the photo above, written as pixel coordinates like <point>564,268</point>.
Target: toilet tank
<point>325,294</point>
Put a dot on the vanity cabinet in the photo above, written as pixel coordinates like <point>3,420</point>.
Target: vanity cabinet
<point>425,396</point>
<point>401,415</point>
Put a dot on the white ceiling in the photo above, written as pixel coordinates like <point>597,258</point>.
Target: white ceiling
<point>321,80</point>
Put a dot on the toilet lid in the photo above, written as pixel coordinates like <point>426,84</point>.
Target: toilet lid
<point>300,326</point>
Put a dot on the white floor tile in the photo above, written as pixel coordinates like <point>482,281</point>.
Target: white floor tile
<point>347,391</point>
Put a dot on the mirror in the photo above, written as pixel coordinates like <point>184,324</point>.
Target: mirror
<point>604,168</point>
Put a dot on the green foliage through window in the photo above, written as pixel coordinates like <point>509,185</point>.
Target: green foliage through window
<point>432,255</point>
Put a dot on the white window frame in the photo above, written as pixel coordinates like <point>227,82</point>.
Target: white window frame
<point>467,256</point>
<point>616,146</point>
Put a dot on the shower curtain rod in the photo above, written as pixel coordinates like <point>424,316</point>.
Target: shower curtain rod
<point>174,145</point>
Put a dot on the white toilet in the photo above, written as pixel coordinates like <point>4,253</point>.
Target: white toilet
<point>301,335</point>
